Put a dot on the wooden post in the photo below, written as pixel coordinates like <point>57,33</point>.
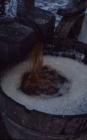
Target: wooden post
<point>2,7</point>
<point>23,6</point>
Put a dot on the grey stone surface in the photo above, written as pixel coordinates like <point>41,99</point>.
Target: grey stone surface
<point>16,41</point>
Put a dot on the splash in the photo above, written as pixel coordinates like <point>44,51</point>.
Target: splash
<point>41,79</point>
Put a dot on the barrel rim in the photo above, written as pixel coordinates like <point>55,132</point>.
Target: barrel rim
<point>42,113</point>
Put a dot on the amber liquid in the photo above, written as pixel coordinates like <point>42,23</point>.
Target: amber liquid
<point>36,61</point>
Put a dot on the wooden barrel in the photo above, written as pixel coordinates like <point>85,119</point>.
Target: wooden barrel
<point>35,125</point>
<point>31,125</point>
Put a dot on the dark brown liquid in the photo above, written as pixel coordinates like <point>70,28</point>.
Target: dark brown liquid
<point>36,61</point>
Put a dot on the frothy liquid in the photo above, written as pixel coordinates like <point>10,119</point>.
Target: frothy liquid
<point>75,102</point>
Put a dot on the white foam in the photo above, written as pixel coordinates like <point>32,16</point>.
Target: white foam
<point>72,103</point>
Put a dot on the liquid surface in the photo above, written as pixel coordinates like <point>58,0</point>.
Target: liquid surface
<point>73,103</point>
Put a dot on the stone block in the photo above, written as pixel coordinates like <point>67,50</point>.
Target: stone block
<point>16,42</point>
<point>45,21</point>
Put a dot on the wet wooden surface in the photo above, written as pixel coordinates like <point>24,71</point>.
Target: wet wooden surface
<point>3,133</point>
<point>5,136</point>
